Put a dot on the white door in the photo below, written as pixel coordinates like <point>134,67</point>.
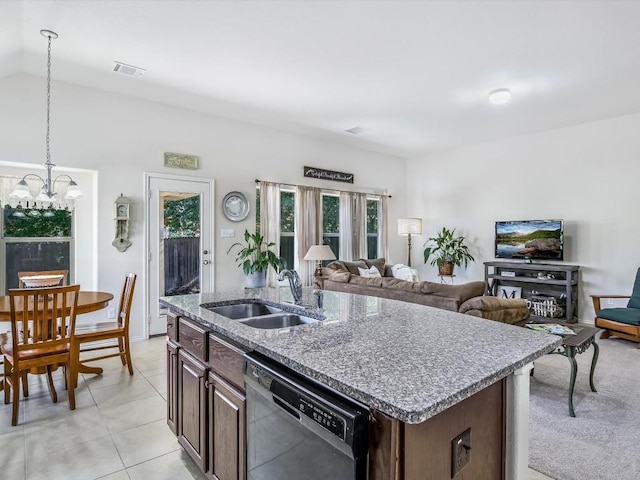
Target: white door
<point>180,257</point>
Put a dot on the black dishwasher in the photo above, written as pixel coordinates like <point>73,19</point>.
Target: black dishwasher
<point>298,429</point>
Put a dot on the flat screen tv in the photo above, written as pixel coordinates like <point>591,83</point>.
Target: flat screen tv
<point>530,239</point>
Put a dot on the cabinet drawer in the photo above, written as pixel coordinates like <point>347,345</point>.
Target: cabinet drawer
<point>192,338</point>
<point>226,360</point>
<point>172,326</point>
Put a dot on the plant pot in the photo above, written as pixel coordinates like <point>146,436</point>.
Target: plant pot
<point>446,269</point>
<point>255,280</point>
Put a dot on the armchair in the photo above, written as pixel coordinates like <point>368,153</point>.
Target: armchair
<point>623,322</point>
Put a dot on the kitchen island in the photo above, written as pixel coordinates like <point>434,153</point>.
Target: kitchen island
<point>417,368</point>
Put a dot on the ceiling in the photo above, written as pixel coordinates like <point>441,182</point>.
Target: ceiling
<point>417,73</point>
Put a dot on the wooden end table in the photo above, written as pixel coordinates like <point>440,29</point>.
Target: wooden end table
<point>577,344</point>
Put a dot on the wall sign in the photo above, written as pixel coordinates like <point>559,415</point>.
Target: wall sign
<point>180,160</point>
<point>328,175</point>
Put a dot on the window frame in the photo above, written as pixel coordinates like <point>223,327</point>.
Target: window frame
<point>4,241</point>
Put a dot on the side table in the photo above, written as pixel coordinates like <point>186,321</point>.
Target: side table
<point>577,344</point>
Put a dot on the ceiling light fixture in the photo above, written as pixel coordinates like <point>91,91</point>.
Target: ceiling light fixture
<point>500,96</point>
<point>47,193</point>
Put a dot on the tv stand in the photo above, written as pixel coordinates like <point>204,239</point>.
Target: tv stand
<point>551,289</point>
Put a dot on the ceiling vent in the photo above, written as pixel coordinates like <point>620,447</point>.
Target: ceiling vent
<point>356,130</point>
<point>128,70</point>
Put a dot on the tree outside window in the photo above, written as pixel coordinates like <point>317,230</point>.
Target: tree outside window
<point>35,240</point>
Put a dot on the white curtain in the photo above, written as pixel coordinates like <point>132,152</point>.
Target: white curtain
<point>359,225</point>
<point>383,229</point>
<point>270,220</point>
<point>308,229</point>
<point>346,233</point>
<point>353,226</point>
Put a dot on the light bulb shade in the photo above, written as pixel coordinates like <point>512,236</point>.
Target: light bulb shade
<point>409,226</point>
<point>320,252</point>
<point>43,197</point>
<point>73,191</point>
<point>21,191</point>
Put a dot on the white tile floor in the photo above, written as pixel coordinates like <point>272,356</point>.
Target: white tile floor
<point>117,432</point>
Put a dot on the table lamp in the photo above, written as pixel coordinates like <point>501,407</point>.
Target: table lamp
<point>409,226</point>
<point>319,253</point>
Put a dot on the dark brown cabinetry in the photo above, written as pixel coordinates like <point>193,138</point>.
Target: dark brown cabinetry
<point>205,398</point>
<point>172,386</point>
<point>551,289</point>
<point>226,430</point>
<point>192,406</point>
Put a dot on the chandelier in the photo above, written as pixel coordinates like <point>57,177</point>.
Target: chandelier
<point>47,193</point>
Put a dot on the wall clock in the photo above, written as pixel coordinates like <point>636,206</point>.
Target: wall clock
<point>235,206</point>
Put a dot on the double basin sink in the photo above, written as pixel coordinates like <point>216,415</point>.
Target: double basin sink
<point>259,315</point>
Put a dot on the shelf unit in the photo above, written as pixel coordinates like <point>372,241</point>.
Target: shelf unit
<point>559,283</point>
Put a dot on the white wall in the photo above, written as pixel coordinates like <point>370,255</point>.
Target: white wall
<point>121,138</point>
<point>586,174</point>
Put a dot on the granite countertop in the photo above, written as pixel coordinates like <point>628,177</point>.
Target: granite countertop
<point>409,361</point>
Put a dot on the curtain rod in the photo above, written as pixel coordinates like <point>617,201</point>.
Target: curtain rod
<point>328,189</point>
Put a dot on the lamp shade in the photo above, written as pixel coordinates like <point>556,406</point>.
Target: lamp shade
<point>320,252</point>
<point>409,226</point>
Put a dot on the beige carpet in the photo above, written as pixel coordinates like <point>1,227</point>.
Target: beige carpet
<point>603,440</point>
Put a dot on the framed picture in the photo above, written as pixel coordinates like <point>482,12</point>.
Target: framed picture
<point>505,291</point>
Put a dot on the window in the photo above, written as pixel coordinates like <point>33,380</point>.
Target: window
<point>35,239</point>
<point>287,224</point>
<point>331,223</point>
<point>372,228</point>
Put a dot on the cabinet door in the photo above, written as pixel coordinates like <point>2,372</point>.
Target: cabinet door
<point>192,411</point>
<point>227,445</point>
<point>172,386</point>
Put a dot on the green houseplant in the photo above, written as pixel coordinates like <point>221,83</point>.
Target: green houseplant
<point>446,250</point>
<point>255,258</point>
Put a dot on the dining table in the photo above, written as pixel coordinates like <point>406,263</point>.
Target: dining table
<point>88,301</point>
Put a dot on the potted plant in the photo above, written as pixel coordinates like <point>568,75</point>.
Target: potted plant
<point>255,258</point>
<point>447,250</point>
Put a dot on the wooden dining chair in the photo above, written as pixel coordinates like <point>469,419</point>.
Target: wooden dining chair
<point>64,281</point>
<point>42,324</point>
<point>118,330</point>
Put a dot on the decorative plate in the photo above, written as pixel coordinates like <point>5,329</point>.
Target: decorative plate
<point>235,206</point>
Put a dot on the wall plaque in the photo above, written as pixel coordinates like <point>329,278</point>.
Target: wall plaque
<point>180,160</point>
<point>328,175</point>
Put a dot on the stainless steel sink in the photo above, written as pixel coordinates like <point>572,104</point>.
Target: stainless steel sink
<point>278,320</point>
<point>259,315</point>
<point>244,310</point>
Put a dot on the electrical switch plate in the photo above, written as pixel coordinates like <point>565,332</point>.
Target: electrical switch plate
<point>460,451</point>
<point>111,313</point>
<point>227,232</point>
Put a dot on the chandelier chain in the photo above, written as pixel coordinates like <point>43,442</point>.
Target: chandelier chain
<point>48,96</point>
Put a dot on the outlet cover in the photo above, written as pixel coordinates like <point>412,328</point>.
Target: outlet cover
<point>111,313</point>
<point>460,452</point>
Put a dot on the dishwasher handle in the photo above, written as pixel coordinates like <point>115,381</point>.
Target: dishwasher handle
<point>286,407</point>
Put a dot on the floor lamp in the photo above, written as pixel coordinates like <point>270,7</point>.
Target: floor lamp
<point>408,227</point>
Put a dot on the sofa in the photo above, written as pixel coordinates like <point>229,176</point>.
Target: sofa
<point>468,298</point>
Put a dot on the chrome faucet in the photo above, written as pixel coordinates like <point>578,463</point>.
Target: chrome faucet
<point>294,283</point>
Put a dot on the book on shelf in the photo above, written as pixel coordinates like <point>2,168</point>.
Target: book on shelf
<point>554,328</point>
<point>507,273</point>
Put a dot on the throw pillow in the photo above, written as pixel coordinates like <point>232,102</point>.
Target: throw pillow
<point>372,272</point>
<point>404,272</point>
